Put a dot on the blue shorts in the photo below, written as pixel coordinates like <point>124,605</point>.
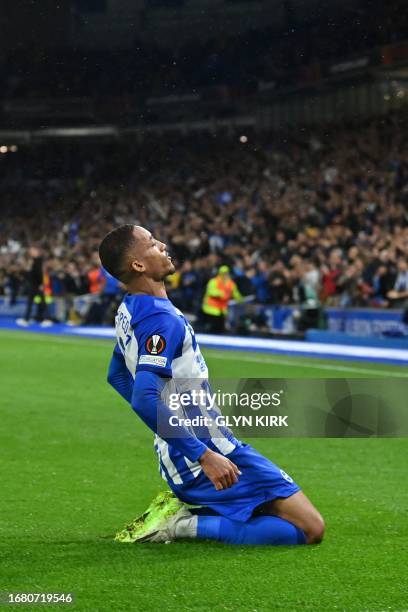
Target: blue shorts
<point>261,481</point>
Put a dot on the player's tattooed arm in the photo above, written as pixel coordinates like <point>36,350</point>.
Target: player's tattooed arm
<point>222,472</point>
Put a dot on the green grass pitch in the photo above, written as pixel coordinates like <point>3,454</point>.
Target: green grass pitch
<point>77,464</point>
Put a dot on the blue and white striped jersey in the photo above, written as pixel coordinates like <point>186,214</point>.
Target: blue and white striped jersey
<point>155,336</point>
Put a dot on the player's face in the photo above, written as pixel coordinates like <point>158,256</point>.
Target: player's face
<point>151,256</point>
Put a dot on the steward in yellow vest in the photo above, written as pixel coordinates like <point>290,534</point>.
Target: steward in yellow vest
<point>221,289</point>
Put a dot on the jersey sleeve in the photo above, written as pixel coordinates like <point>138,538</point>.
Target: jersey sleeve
<point>160,340</point>
<point>147,403</point>
<point>119,376</point>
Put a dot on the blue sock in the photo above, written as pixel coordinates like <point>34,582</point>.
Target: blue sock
<point>270,530</point>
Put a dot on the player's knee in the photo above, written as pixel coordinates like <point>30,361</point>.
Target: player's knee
<point>315,530</point>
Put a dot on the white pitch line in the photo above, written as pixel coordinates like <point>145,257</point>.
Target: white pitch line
<point>315,366</point>
<point>73,339</point>
<point>301,348</point>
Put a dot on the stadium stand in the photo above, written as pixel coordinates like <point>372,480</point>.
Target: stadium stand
<point>285,56</point>
<point>309,217</point>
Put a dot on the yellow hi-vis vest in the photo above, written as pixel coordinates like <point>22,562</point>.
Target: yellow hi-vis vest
<point>217,295</point>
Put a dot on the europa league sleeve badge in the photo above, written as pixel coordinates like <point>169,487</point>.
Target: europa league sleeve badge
<point>155,344</point>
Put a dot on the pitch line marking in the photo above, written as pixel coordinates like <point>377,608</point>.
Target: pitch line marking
<point>81,340</point>
<point>315,366</point>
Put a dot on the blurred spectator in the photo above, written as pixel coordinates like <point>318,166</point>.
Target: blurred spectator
<point>58,288</point>
<point>111,294</point>
<point>35,288</point>
<point>399,294</point>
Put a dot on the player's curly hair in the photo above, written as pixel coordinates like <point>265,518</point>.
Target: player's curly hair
<point>113,250</point>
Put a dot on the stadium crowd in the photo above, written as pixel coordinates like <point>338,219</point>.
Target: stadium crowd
<point>302,217</point>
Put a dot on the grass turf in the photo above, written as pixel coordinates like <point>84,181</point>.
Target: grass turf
<point>77,464</point>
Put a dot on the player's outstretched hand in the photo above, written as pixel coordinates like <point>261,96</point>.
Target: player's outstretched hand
<point>222,472</point>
